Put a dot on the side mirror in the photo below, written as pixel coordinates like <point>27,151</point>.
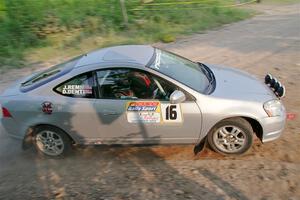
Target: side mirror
<point>177,97</point>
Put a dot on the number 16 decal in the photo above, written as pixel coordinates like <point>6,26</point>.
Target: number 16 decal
<point>171,113</point>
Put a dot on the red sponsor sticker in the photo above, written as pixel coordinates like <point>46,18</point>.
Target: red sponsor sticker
<point>145,103</point>
<point>290,116</point>
<point>47,107</point>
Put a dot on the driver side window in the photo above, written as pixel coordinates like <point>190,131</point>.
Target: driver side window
<point>132,84</point>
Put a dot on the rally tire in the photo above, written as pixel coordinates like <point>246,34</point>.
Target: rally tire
<point>233,136</point>
<point>51,141</point>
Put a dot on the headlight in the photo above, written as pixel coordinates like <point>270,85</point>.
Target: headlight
<point>274,108</point>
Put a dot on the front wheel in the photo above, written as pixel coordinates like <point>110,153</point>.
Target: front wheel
<point>231,136</point>
<point>51,141</point>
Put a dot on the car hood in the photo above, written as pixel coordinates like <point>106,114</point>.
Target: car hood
<point>236,84</point>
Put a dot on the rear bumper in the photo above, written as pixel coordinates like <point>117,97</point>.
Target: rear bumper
<point>12,128</point>
<point>273,127</point>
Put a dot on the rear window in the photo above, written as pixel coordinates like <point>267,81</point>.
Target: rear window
<point>51,72</point>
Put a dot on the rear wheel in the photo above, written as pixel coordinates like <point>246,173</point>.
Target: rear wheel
<point>231,136</point>
<point>51,141</point>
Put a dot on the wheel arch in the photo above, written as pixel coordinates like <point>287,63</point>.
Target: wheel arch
<point>255,124</point>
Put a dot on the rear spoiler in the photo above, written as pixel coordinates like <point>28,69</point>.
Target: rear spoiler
<point>275,86</point>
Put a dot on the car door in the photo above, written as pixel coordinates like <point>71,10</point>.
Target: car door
<point>75,110</point>
<point>134,107</point>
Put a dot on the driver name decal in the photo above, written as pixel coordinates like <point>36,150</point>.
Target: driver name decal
<point>77,89</point>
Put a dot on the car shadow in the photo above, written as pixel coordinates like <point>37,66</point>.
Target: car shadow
<point>112,172</point>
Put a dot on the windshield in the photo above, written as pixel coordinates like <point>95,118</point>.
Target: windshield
<point>181,69</point>
<point>51,71</point>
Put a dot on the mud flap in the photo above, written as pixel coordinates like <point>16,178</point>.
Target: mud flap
<point>199,147</point>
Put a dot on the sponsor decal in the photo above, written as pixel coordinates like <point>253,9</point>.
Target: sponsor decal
<point>143,112</point>
<point>47,107</point>
<point>142,106</point>
<point>157,61</point>
<point>153,112</point>
<point>77,89</point>
<point>143,117</point>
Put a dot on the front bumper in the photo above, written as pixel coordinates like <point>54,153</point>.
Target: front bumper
<point>272,127</point>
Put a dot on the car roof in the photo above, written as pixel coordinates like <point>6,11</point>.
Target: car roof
<point>138,54</point>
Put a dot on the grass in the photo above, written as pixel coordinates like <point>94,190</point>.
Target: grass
<point>33,30</point>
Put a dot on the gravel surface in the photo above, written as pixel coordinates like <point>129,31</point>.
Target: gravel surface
<point>269,42</point>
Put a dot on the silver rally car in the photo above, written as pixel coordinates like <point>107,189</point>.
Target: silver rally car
<point>139,94</point>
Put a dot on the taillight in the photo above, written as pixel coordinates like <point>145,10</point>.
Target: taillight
<point>5,112</point>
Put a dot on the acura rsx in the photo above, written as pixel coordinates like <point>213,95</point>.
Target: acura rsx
<point>136,94</point>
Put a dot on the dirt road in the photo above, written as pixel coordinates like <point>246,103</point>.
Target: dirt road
<point>269,42</point>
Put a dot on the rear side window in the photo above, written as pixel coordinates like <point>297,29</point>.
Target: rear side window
<point>81,86</point>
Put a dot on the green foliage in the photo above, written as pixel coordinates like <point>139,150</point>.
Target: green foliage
<point>28,24</point>
<point>167,38</point>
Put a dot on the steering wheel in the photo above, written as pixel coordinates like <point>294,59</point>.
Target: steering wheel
<point>159,87</point>
<point>158,94</point>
